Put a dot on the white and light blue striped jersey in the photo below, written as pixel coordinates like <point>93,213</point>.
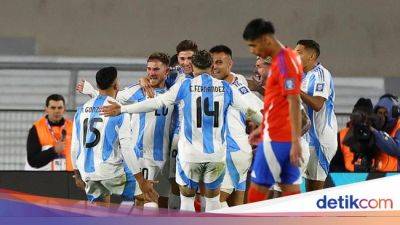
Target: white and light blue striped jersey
<point>319,82</point>
<point>151,131</point>
<point>179,76</point>
<point>236,122</point>
<point>100,145</point>
<point>240,78</point>
<point>203,126</point>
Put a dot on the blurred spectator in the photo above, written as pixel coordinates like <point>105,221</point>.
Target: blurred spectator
<point>261,70</point>
<point>371,140</point>
<point>49,139</point>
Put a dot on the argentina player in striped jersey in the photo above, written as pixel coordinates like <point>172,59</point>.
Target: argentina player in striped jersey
<point>317,92</point>
<point>180,69</point>
<point>102,145</point>
<point>239,151</point>
<point>151,131</point>
<point>202,150</point>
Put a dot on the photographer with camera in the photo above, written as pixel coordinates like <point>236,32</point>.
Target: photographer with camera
<point>371,140</point>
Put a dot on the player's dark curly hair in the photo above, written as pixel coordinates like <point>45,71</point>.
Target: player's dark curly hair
<point>257,28</point>
<point>186,45</point>
<point>105,77</point>
<point>202,59</point>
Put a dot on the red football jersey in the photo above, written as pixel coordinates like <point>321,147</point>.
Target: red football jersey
<point>284,79</point>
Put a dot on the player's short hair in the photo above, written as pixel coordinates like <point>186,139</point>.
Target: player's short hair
<point>173,61</point>
<point>310,44</point>
<point>55,97</point>
<point>221,48</point>
<point>160,56</point>
<point>186,45</point>
<point>202,59</point>
<point>105,77</point>
<point>257,28</point>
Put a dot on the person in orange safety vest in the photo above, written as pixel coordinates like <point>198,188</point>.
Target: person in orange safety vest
<point>384,140</point>
<point>49,139</point>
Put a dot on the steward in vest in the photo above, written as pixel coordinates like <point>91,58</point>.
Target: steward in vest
<point>379,151</point>
<point>49,139</point>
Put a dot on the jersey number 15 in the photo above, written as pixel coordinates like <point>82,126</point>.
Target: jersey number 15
<point>95,131</point>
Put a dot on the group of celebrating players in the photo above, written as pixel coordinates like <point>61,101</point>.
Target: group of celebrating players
<point>188,120</point>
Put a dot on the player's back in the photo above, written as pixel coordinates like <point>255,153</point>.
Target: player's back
<point>98,156</point>
<point>205,102</point>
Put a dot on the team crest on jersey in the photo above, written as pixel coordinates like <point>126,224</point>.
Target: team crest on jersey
<point>320,87</point>
<point>289,84</point>
<point>243,90</point>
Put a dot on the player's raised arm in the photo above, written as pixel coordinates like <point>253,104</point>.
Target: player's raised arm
<point>86,88</point>
<point>127,95</point>
<point>174,94</point>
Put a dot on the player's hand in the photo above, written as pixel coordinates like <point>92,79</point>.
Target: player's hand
<point>79,86</point>
<point>296,157</point>
<point>59,146</point>
<point>257,79</point>
<point>255,136</point>
<point>149,193</point>
<point>145,84</point>
<point>113,109</point>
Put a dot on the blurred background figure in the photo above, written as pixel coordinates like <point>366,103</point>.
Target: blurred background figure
<point>49,139</point>
<point>371,140</point>
<point>261,70</point>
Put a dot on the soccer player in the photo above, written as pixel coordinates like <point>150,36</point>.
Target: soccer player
<point>279,154</point>
<point>151,131</point>
<point>202,136</point>
<point>261,69</point>
<point>102,145</point>
<point>239,152</point>
<point>261,72</point>
<point>317,92</point>
<point>184,52</point>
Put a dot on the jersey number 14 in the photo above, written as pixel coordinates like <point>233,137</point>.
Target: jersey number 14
<point>205,106</point>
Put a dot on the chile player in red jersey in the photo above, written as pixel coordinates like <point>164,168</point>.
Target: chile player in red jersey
<point>278,155</point>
